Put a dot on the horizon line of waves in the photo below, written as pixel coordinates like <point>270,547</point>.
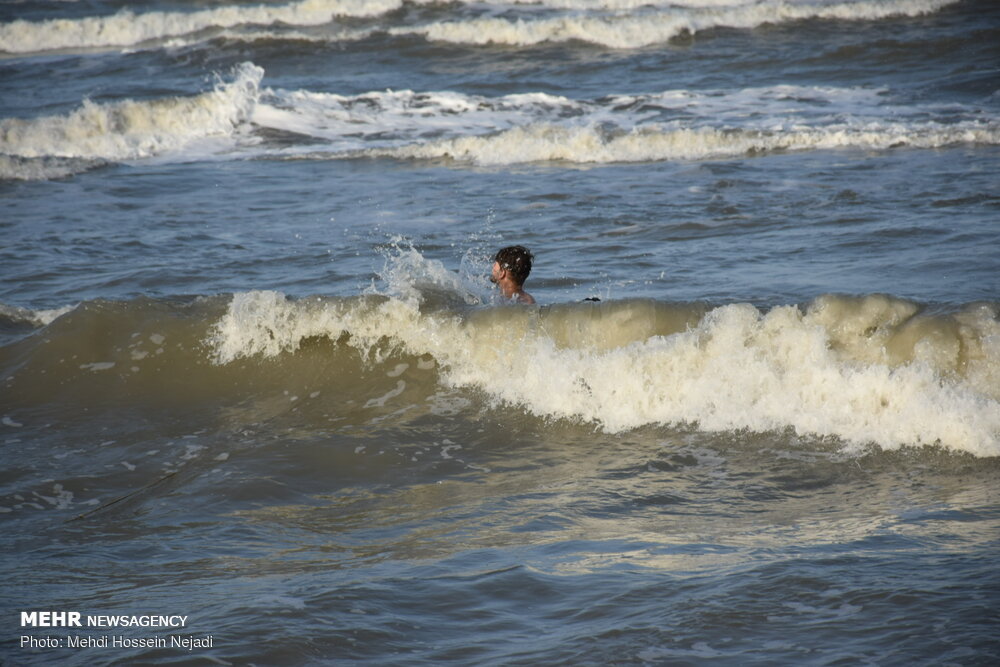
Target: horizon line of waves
<point>127,28</point>
<point>658,26</point>
<point>864,370</point>
<point>601,23</point>
<point>594,145</point>
<point>97,133</point>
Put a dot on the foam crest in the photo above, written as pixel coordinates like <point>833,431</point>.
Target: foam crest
<point>127,28</point>
<point>39,169</point>
<point>388,117</point>
<point>734,368</point>
<point>38,318</point>
<point>407,111</point>
<point>674,124</point>
<point>645,28</point>
<point>127,129</point>
<point>879,329</point>
<point>510,129</point>
<point>547,142</point>
<point>620,24</point>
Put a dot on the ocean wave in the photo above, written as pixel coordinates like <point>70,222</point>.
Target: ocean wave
<point>869,369</point>
<point>391,118</point>
<point>127,28</point>
<point>52,146</point>
<point>620,24</point>
<point>239,117</point>
<point>670,125</point>
<point>646,28</point>
<point>864,369</point>
<point>544,143</point>
<point>405,114</point>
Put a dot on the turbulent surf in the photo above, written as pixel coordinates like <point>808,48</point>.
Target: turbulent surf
<point>253,373</point>
<point>860,369</point>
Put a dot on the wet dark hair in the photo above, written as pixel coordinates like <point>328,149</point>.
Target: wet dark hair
<point>517,260</point>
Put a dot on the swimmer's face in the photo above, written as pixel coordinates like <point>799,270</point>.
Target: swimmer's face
<point>495,276</point>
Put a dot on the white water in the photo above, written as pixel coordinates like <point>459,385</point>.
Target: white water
<point>863,370</point>
<point>636,30</point>
<point>127,28</point>
<point>593,145</point>
<point>511,129</point>
<point>595,21</point>
<point>38,318</point>
<point>669,125</point>
<point>129,129</point>
<point>389,117</point>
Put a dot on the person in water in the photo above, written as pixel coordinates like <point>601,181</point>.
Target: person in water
<point>511,266</point>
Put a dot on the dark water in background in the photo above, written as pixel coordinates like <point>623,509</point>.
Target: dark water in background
<point>251,370</point>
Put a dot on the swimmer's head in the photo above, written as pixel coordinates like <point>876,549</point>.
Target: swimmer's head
<point>515,260</point>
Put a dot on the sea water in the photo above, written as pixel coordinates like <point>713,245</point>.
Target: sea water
<point>253,374</point>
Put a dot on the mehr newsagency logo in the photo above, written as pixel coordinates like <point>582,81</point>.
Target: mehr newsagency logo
<point>71,620</point>
<point>74,619</point>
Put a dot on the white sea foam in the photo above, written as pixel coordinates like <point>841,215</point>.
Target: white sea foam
<point>40,169</point>
<point>60,499</point>
<point>390,117</point>
<point>38,318</point>
<point>613,23</point>
<point>676,124</point>
<point>235,119</point>
<point>540,143</point>
<point>822,370</point>
<point>130,129</point>
<point>127,28</point>
<point>410,112</point>
<point>645,28</point>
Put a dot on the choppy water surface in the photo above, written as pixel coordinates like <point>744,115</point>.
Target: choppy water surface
<point>252,372</point>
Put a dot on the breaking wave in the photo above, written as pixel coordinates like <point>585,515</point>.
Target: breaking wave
<point>127,28</point>
<point>645,28</point>
<point>97,133</point>
<point>542,143</point>
<point>240,119</point>
<point>672,125</point>
<point>871,369</point>
<point>620,24</point>
<point>866,369</point>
